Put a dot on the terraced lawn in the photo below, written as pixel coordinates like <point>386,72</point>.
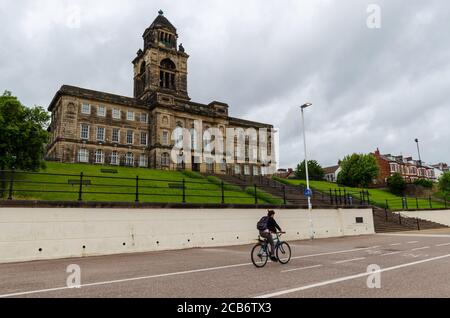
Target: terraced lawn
<point>378,197</point>
<point>52,184</point>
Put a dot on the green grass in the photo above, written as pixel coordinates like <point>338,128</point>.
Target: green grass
<point>121,187</point>
<point>263,196</point>
<point>378,197</point>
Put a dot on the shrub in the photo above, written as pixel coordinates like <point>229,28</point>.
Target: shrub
<point>444,183</point>
<point>396,184</point>
<point>424,183</point>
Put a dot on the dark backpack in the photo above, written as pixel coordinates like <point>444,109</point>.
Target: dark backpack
<point>262,224</point>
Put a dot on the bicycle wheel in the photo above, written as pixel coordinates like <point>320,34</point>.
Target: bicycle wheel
<point>259,256</point>
<point>284,253</point>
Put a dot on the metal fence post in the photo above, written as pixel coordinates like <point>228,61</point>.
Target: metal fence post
<point>335,197</point>
<point>400,218</point>
<point>256,194</point>
<point>431,203</point>
<point>284,195</point>
<point>184,191</point>
<point>387,204</point>
<point>331,197</point>
<point>368,197</point>
<point>223,192</point>
<point>80,191</point>
<point>418,224</point>
<point>406,203</point>
<point>417,203</point>
<point>137,189</point>
<point>11,184</point>
<point>345,197</point>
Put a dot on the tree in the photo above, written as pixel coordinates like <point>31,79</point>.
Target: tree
<point>358,170</point>
<point>23,134</point>
<point>315,171</point>
<point>444,183</point>
<point>396,184</point>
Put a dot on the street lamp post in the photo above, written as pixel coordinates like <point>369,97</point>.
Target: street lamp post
<point>306,153</point>
<point>307,172</point>
<point>418,151</point>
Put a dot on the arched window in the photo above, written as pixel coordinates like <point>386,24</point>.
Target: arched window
<point>165,159</point>
<point>142,70</point>
<point>167,74</point>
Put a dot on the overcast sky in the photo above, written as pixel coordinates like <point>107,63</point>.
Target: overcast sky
<point>370,88</point>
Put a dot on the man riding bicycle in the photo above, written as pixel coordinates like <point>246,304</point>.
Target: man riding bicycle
<point>268,226</point>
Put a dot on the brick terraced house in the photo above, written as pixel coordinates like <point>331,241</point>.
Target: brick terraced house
<point>410,169</point>
<point>89,126</point>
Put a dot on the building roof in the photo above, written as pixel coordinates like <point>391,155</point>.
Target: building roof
<point>329,170</point>
<point>94,95</point>
<point>162,21</point>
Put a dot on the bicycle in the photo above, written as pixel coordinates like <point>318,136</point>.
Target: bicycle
<point>260,252</point>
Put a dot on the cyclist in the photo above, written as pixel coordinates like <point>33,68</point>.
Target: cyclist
<point>267,227</point>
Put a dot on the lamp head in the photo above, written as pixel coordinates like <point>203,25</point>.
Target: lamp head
<point>306,105</point>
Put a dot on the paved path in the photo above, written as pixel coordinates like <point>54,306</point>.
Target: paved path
<point>412,265</point>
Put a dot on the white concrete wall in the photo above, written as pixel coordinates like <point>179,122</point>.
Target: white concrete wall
<point>62,233</point>
<point>439,216</point>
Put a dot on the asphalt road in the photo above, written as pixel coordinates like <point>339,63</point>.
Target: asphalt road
<point>409,265</point>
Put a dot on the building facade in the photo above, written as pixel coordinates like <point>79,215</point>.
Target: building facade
<point>410,169</point>
<point>88,126</point>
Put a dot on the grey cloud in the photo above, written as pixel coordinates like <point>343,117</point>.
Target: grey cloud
<point>370,88</point>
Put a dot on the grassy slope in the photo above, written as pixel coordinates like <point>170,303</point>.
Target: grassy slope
<point>198,189</point>
<point>377,196</point>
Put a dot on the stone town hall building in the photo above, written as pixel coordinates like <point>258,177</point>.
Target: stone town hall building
<point>95,127</point>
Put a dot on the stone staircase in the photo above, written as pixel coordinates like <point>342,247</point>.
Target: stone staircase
<point>386,221</point>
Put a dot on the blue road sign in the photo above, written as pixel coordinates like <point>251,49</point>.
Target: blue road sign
<point>308,193</point>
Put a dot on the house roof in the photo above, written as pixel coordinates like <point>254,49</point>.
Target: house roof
<point>332,169</point>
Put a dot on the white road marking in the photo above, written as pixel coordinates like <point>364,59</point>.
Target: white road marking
<point>350,260</point>
<point>414,235</point>
<point>346,278</point>
<point>420,248</point>
<point>440,245</point>
<point>170,274</point>
<point>396,244</point>
<point>393,253</point>
<point>413,242</point>
<point>302,268</point>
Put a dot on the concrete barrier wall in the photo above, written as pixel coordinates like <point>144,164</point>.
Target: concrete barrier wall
<point>35,234</point>
<point>438,216</point>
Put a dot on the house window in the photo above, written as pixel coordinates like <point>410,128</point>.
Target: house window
<point>165,160</point>
<point>116,113</point>
<point>393,167</point>
<point>144,139</point>
<point>86,109</point>
<point>115,135</point>
<point>130,137</point>
<point>114,158</point>
<point>165,138</point>
<point>255,171</point>
<point>143,161</point>
<point>99,156</point>
<point>130,115</point>
<point>129,159</point>
<point>83,155</point>
<point>84,132</point>
<point>247,170</point>
<point>101,111</point>
<point>100,133</point>
<point>237,169</point>
<point>144,118</point>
